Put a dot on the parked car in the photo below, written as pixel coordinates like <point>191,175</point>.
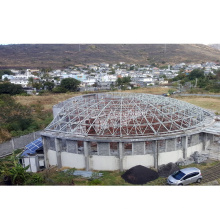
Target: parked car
<point>185,176</point>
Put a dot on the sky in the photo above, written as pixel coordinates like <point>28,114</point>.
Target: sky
<point>105,21</point>
<point>115,21</point>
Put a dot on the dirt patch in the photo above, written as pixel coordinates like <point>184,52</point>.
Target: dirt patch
<point>139,175</point>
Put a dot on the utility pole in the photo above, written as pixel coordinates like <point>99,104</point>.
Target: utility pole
<point>79,47</point>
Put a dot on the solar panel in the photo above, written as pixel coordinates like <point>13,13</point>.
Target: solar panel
<point>33,146</point>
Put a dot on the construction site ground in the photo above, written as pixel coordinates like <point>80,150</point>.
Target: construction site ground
<point>211,176</point>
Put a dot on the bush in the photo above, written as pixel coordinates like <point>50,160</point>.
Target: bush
<point>59,89</point>
<point>70,84</point>
<point>35,179</point>
<point>11,89</point>
<point>95,182</point>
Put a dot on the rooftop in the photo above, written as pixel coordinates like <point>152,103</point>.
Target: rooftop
<point>127,115</point>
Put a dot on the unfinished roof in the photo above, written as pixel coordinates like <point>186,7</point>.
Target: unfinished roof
<point>127,115</point>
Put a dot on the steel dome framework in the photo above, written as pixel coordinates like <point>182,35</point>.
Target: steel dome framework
<point>127,115</point>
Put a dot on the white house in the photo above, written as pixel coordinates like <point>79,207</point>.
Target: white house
<point>9,77</point>
<point>20,81</point>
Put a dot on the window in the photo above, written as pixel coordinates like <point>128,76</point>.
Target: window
<point>80,147</point>
<point>127,148</point>
<point>178,175</point>
<point>178,142</point>
<point>149,147</point>
<point>161,145</point>
<point>195,174</point>
<point>113,149</point>
<point>94,148</point>
<point>187,177</point>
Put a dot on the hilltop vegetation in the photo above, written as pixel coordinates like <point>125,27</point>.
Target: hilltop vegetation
<point>63,55</point>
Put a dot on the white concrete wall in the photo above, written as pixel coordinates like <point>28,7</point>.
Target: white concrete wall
<point>167,157</point>
<point>144,160</point>
<point>104,163</point>
<point>191,150</point>
<point>73,160</point>
<point>207,144</point>
<point>52,157</point>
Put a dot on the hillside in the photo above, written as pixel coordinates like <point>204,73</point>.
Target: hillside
<point>216,46</point>
<point>62,55</point>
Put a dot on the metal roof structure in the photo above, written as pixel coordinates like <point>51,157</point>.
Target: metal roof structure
<point>127,115</point>
<point>214,129</point>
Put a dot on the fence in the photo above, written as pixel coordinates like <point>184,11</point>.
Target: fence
<point>8,147</point>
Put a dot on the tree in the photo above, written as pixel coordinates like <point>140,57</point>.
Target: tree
<point>164,76</point>
<point>30,81</point>
<point>132,67</point>
<point>11,89</point>
<point>112,71</point>
<point>180,76</point>
<point>4,72</point>
<point>49,86</point>
<point>70,84</point>
<point>123,82</point>
<point>37,85</point>
<point>196,73</point>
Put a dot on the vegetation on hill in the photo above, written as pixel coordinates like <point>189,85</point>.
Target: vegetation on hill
<point>123,82</point>
<point>11,89</point>
<point>63,55</point>
<point>67,85</point>
<point>198,79</point>
<point>17,119</point>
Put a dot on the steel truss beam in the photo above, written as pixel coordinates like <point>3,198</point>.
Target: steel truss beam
<point>126,115</point>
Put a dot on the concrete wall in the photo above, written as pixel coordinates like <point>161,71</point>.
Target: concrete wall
<point>167,157</point>
<point>8,147</point>
<point>32,162</point>
<point>72,160</point>
<point>52,157</point>
<point>104,163</point>
<point>192,149</point>
<point>153,154</point>
<point>207,144</point>
<point>144,160</point>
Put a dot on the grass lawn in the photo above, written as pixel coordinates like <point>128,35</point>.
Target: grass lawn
<point>48,100</point>
<point>109,178</point>
<point>204,102</point>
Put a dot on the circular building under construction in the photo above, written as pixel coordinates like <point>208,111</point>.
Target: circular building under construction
<point>116,131</point>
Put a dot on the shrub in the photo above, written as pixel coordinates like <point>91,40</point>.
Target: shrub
<point>59,89</point>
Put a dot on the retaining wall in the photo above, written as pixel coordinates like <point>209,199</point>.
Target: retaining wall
<point>8,147</point>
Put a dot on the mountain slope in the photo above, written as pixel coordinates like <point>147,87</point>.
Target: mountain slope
<point>62,55</point>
